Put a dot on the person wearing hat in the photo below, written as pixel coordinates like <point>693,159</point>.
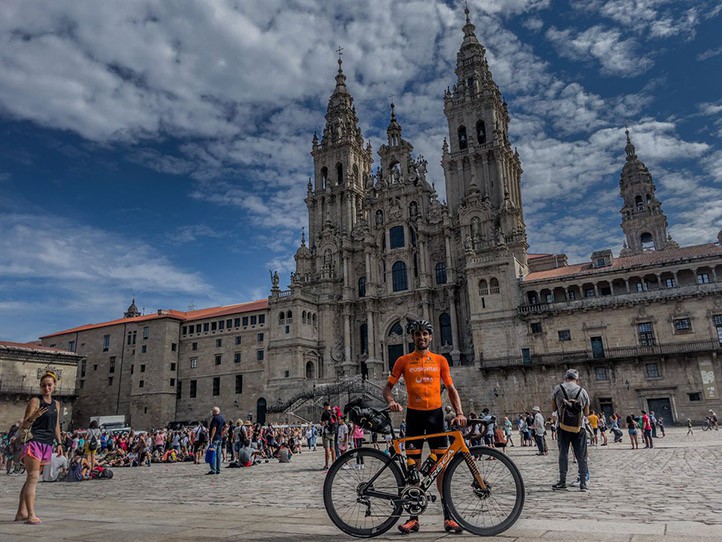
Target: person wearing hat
<point>567,391</point>
<point>539,430</point>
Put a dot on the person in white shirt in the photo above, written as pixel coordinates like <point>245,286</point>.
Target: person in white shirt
<point>55,470</point>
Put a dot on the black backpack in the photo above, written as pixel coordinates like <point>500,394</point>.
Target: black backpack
<point>570,412</point>
<point>93,443</point>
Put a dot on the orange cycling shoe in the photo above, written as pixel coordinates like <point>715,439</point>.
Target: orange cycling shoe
<point>451,526</point>
<point>410,526</point>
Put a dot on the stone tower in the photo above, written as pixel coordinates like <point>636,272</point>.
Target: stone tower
<point>643,222</point>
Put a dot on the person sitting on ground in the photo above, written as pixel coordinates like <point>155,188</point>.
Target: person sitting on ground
<point>57,468</point>
<point>284,453</point>
<point>79,467</point>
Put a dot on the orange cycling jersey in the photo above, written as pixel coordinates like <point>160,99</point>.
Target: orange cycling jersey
<point>423,374</point>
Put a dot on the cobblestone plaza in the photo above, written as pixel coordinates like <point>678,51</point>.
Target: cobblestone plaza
<point>671,492</point>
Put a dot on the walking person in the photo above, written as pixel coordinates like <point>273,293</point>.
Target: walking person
<point>328,429</point>
<point>660,426</point>
<point>42,417</point>
<point>647,429</point>
<point>632,430</point>
<point>690,431</point>
<point>571,402</point>
<point>507,431</point>
<point>92,443</point>
<point>216,438</point>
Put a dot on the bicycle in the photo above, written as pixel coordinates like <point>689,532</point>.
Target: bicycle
<point>709,423</point>
<point>366,491</point>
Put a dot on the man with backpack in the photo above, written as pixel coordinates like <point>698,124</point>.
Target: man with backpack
<point>571,402</point>
<point>329,425</point>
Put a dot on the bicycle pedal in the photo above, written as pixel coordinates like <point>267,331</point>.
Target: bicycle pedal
<point>432,498</point>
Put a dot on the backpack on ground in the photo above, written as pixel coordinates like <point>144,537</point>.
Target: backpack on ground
<point>570,413</point>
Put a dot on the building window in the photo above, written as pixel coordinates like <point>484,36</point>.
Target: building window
<point>217,385</point>
<point>259,337</point>
<point>111,365</point>
<point>494,285</point>
<point>286,374</point>
<point>571,295</point>
<point>206,327</point>
<point>703,278</point>
<point>462,137</point>
<point>131,369</point>
<point>239,384</point>
<point>589,292</point>
<point>261,319</point>
<point>142,368</point>
<point>185,330</point>
<point>259,355</point>
<point>71,346</point>
<point>396,237</point>
<point>652,370</point>
<point>549,298</point>
<point>364,337</point>
<point>717,319</point>
<point>110,381</point>
<point>694,397</point>
<point>144,349</point>
<point>236,357</point>
<point>221,325</point>
<point>217,358</point>
<point>146,330</point>
<point>238,339</point>
<point>682,324</point>
<point>229,323</point>
<point>172,366</point>
<point>173,347</point>
<point>646,335</point>
<point>440,273</point>
<point>536,327</point>
<point>565,335</point>
<point>172,382</point>
<point>219,343</point>
<point>83,366</point>
<point>194,363</point>
<point>526,356</point>
<point>194,388</point>
<point>600,374</point>
<point>362,287</point>
<point>670,283</point>
<point>82,384</point>
<point>236,322</point>
<point>641,286</point>
<point>254,319</point>
<point>288,329</point>
<point>179,390</point>
<point>141,383</point>
<point>445,329</point>
<point>106,343</point>
<point>245,321</point>
<point>398,277</point>
<point>194,346</point>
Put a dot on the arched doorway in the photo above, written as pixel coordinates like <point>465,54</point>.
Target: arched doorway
<point>261,411</point>
<point>397,342</point>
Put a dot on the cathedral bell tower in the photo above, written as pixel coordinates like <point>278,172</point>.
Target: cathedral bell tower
<point>643,222</point>
<point>342,166</point>
<point>482,171</point>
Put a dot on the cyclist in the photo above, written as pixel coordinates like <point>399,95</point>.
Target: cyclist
<point>713,420</point>
<point>423,373</point>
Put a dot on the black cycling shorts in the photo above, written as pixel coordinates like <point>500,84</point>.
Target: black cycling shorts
<point>425,422</point>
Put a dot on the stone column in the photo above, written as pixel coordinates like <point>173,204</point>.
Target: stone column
<point>455,353</point>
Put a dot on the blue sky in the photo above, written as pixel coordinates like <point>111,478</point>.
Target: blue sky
<point>161,149</point>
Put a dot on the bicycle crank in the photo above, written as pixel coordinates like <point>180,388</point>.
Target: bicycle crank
<point>415,500</point>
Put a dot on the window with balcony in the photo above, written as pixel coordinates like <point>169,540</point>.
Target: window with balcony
<point>651,370</point>
<point>670,283</point>
<point>702,278</point>
<point>646,334</point>
<point>535,327</point>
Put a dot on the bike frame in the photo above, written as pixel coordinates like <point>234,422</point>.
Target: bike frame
<point>457,445</point>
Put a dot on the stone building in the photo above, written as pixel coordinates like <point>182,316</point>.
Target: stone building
<point>644,328</point>
<point>22,365</point>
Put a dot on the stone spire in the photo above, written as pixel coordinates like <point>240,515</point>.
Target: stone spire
<point>341,119</point>
<point>643,221</point>
<point>394,129</point>
<point>132,311</point>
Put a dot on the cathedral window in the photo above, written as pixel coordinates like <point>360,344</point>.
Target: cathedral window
<point>313,318</point>
<point>289,317</point>
<point>638,202</point>
<point>324,177</point>
<point>396,329</point>
<point>484,288</point>
<point>281,318</point>
<point>362,287</point>
<point>398,277</point>
<point>310,370</point>
<point>396,237</point>
<point>303,317</point>
<point>445,329</point>
<point>339,173</point>
<point>480,132</point>
<point>494,285</point>
<point>646,335</point>
<point>441,273</point>
<point>462,137</point>
<point>647,241</point>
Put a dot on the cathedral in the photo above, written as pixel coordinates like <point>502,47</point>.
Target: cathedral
<point>644,329</point>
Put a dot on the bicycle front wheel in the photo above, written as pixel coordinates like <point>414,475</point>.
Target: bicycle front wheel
<point>489,511</point>
<point>360,492</point>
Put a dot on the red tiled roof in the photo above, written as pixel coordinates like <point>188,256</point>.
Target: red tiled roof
<point>33,346</point>
<point>668,256</point>
<point>212,312</point>
<point>532,256</point>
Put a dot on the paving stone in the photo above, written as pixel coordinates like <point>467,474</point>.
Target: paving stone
<point>668,493</point>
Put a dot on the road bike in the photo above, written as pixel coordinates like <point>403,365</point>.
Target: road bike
<point>709,423</point>
<point>366,491</point>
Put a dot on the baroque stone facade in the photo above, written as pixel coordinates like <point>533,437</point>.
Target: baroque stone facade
<point>644,329</point>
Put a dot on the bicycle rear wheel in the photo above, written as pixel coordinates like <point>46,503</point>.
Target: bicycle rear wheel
<point>484,512</point>
<point>346,488</point>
